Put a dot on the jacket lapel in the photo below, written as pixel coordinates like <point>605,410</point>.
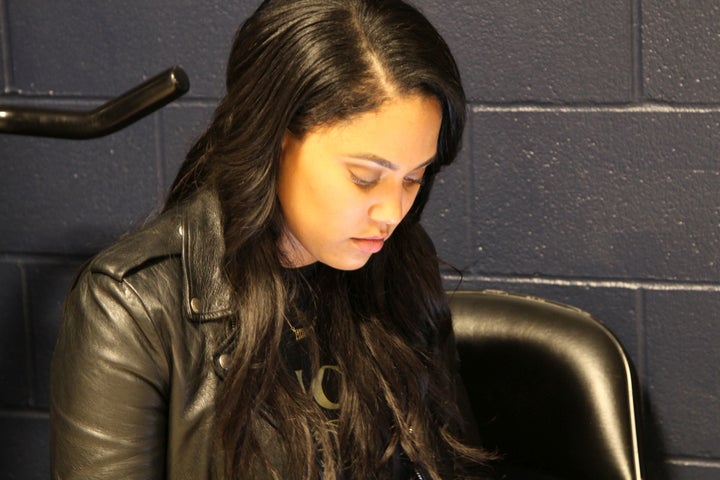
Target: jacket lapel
<point>206,291</point>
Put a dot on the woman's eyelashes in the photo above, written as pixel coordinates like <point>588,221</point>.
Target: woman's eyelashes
<point>363,181</point>
<point>367,181</point>
<point>414,181</point>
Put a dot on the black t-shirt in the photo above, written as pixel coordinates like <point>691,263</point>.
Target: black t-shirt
<point>322,383</point>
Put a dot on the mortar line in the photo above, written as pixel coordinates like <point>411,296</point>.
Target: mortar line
<point>642,107</point>
<point>31,258</point>
<point>647,107</point>
<point>599,283</point>
<point>643,370</point>
<point>637,51</point>
<point>28,330</point>
<point>6,47</point>
<point>470,225</point>
<point>40,414</point>
<point>694,462</point>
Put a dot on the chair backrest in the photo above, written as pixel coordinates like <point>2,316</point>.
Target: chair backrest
<point>550,387</point>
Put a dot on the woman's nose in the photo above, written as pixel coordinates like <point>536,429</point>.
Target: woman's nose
<point>388,209</point>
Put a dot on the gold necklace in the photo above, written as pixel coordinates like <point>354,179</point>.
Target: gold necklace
<point>303,332</point>
<point>300,332</point>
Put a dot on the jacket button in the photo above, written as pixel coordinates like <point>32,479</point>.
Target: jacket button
<point>196,305</point>
<point>224,361</point>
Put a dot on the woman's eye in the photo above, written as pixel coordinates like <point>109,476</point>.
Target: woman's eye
<point>362,181</point>
<point>412,182</point>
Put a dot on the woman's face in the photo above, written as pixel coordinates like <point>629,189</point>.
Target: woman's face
<point>344,188</point>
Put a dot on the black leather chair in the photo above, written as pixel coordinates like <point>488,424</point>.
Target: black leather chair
<point>550,387</point>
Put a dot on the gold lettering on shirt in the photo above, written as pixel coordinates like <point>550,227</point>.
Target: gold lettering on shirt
<point>299,376</point>
<point>316,386</point>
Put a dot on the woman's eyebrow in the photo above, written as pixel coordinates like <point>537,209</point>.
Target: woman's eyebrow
<point>387,163</point>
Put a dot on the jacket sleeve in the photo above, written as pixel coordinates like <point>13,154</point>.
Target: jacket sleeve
<point>109,376</point>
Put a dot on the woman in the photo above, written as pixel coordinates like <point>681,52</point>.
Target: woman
<point>284,316</point>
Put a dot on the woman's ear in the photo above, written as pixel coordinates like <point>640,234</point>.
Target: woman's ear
<point>289,142</point>
<point>287,138</point>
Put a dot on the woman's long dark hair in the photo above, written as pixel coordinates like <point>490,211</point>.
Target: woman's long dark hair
<point>295,65</point>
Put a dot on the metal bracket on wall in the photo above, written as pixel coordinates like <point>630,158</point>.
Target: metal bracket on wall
<point>110,117</point>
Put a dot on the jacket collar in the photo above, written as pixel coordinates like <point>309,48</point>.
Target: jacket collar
<point>206,290</point>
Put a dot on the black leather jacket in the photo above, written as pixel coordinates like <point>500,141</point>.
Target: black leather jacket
<point>140,354</point>
<point>142,349</point>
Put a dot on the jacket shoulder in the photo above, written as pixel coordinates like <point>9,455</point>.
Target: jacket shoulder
<point>161,238</point>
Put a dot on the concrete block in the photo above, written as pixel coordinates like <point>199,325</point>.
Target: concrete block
<point>48,285</point>
<point>13,355</point>
<point>446,213</point>
<point>24,447</point>
<point>68,196</point>
<point>597,194</point>
<point>182,125</point>
<point>680,50</point>
<point>542,51</point>
<point>683,368</point>
<point>92,48</point>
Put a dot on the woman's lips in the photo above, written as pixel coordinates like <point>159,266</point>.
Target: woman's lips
<point>369,245</point>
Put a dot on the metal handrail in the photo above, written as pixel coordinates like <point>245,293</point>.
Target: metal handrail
<point>110,117</point>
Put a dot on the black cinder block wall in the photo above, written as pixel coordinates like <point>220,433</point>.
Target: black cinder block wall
<point>590,175</point>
